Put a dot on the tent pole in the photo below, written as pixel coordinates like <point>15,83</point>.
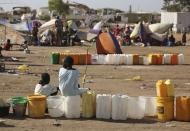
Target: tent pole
<point>86,68</point>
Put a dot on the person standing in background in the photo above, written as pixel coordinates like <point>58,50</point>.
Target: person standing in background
<point>59,30</point>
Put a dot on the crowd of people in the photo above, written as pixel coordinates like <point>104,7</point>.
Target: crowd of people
<point>123,36</point>
<point>63,35</point>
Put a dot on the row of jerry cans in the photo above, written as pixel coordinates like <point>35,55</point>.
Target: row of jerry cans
<point>135,59</point>
<point>119,107</point>
<point>79,59</point>
<point>103,106</point>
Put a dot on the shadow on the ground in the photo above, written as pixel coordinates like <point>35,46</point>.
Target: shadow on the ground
<point>6,125</point>
<point>148,120</point>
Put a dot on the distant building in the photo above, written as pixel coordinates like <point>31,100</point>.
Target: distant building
<point>180,20</point>
<point>43,11</point>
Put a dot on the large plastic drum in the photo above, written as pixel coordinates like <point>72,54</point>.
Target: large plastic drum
<point>165,108</point>
<point>19,106</point>
<point>36,106</point>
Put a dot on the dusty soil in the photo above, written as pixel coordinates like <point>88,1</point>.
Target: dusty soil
<point>106,79</point>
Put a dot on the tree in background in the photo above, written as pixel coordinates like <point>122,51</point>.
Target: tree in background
<point>59,6</point>
<point>176,5</point>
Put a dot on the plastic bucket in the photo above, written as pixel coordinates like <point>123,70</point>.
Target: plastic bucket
<point>36,106</point>
<point>19,106</point>
<point>4,111</point>
<point>56,106</point>
<point>183,108</point>
<point>165,108</point>
<point>54,58</point>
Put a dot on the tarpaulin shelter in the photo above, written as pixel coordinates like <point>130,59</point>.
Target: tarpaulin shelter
<point>48,24</point>
<point>106,43</point>
<point>157,32</point>
<point>86,36</point>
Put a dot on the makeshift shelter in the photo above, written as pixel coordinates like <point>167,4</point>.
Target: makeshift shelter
<point>157,32</point>
<point>86,36</point>
<point>48,25</point>
<point>160,28</point>
<point>97,28</point>
<point>106,43</point>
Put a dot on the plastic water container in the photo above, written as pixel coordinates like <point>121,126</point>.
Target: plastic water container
<point>160,59</point>
<point>145,60</point>
<point>72,107</point>
<point>116,59</point>
<point>174,59</point>
<point>54,58</point>
<point>129,59</point>
<point>109,59</point>
<point>36,106</point>
<point>135,108</point>
<point>183,108</point>
<point>167,59</point>
<point>61,58</point>
<point>56,106</point>
<point>150,105</point>
<point>165,108</point>
<point>19,106</point>
<point>88,104</point>
<point>161,89</point>
<point>170,88</point>
<point>101,59</point>
<point>152,59</point>
<point>103,106</point>
<point>119,107</point>
<point>123,59</point>
<point>181,59</point>
<point>135,59</point>
<point>94,59</point>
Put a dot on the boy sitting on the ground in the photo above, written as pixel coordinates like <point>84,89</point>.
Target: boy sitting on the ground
<point>7,45</point>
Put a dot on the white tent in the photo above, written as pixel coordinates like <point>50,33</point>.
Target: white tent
<point>48,24</point>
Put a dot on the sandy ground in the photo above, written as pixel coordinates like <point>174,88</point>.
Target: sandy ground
<point>106,79</point>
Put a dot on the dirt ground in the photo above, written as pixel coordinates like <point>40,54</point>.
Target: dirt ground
<point>104,79</point>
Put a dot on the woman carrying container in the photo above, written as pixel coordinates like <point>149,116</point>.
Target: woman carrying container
<point>68,79</point>
<point>44,88</point>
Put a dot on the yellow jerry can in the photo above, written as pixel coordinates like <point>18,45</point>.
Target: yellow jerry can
<point>89,104</point>
<point>170,87</point>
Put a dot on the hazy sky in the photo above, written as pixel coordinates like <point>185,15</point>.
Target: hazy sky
<point>137,5</point>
